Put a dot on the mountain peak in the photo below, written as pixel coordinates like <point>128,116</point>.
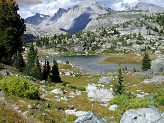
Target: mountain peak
<point>36,19</point>
<point>152,8</point>
<point>58,14</point>
<point>75,18</point>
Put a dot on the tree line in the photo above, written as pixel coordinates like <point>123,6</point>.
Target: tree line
<point>12,28</point>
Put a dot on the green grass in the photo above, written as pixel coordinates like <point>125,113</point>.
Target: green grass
<point>124,59</point>
<point>82,102</point>
<point>8,115</point>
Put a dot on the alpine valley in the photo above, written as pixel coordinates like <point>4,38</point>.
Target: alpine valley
<point>84,64</point>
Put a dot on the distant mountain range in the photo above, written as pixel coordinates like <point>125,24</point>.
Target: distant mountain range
<point>75,19</point>
<point>71,20</point>
<point>147,7</point>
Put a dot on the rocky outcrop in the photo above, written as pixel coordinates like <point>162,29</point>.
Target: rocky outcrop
<point>154,79</point>
<point>106,80</point>
<point>99,94</point>
<point>142,115</point>
<point>157,65</point>
<point>89,118</point>
<point>57,91</point>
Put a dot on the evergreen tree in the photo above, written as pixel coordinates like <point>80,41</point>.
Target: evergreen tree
<point>32,65</point>
<point>118,88</point>
<point>55,72</point>
<point>146,63</point>
<point>37,73</point>
<point>44,74</point>
<point>46,70</point>
<point>12,28</point>
<point>18,61</point>
<point>140,37</point>
<point>31,55</point>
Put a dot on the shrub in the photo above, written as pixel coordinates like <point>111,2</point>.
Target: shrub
<point>125,102</point>
<point>20,86</point>
<point>159,96</point>
<point>64,83</point>
<point>81,88</point>
<point>72,86</point>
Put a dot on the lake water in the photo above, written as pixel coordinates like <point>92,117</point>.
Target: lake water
<point>89,64</point>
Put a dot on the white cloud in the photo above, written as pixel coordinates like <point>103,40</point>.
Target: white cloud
<point>124,4</point>
<point>118,6</point>
<point>47,7</point>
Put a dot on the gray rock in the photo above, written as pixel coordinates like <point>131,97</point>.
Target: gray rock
<point>68,73</point>
<point>38,106</point>
<point>99,94</point>
<point>43,96</point>
<point>141,115</point>
<point>161,120</point>
<point>157,65</point>
<point>106,80</point>
<point>89,118</point>
<point>113,107</point>
<point>30,107</point>
<point>57,91</point>
<point>75,112</point>
<point>154,79</point>
<point>6,72</point>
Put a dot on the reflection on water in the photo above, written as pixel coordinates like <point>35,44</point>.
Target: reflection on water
<point>89,64</point>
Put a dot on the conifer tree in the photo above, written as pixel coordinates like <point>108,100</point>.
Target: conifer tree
<point>46,70</point>
<point>44,73</point>
<point>146,62</point>
<point>32,64</point>
<point>18,61</point>
<point>54,73</point>
<point>12,28</point>
<point>31,55</point>
<point>119,88</point>
<point>37,73</point>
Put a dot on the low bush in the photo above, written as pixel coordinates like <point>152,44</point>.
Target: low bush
<point>125,102</point>
<point>20,86</point>
<point>159,96</point>
<point>64,83</point>
<point>72,86</point>
<point>81,88</point>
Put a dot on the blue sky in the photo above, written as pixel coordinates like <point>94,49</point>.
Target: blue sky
<point>49,7</point>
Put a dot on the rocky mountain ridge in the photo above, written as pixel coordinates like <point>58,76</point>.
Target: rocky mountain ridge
<point>88,15</point>
<point>147,7</point>
<point>72,20</point>
<point>36,19</point>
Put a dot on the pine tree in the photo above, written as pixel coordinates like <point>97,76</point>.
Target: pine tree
<point>55,72</point>
<point>46,70</point>
<point>119,88</point>
<point>32,64</point>
<point>31,55</point>
<point>18,61</point>
<point>37,73</point>
<point>12,28</point>
<point>146,63</point>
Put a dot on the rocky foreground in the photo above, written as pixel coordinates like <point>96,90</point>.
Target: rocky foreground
<point>89,98</point>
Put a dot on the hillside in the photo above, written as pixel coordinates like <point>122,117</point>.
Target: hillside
<point>130,34</point>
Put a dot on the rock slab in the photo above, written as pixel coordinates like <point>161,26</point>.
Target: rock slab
<point>141,115</point>
<point>89,118</point>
